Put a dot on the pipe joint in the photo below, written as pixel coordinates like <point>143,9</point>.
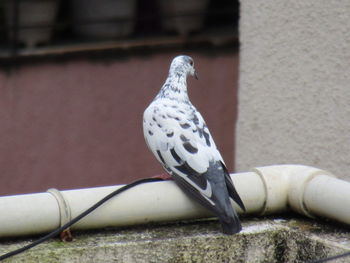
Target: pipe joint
<point>285,186</point>
<point>299,178</point>
<point>63,205</point>
<point>275,185</point>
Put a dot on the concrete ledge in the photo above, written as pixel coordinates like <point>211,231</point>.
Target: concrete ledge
<point>262,240</point>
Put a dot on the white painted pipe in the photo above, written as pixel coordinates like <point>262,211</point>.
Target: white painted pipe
<point>265,190</point>
<point>328,197</point>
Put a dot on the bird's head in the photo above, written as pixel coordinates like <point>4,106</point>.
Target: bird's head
<point>183,64</point>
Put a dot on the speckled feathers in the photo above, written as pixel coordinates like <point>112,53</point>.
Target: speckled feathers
<point>179,138</point>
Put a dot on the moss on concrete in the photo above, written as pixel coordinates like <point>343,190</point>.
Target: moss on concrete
<point>262,240</point>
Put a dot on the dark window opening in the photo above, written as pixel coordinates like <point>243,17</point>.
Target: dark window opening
<point>43,27</point>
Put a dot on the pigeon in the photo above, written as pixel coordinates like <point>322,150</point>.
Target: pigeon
<point>178,136</point>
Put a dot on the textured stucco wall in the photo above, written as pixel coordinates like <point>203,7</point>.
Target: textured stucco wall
<point>294,90</point>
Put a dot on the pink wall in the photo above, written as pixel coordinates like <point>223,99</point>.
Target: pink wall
<point>79,123</point>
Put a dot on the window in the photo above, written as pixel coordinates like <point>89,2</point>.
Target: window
<point>46,27</point>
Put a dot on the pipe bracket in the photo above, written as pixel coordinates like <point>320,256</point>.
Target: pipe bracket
<point>65,211</point>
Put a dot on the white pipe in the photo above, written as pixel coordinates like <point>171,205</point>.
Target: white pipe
<point>285,186</point>
<point>329,198</point>
<point>266,190</point>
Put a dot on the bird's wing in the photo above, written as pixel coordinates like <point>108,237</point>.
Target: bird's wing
<point>181,141</point>
<point>231,189</point>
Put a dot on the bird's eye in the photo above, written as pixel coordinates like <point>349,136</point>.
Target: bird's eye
<point>191,63</point>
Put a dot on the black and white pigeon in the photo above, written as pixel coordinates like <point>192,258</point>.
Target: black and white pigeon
<point>177,135</point>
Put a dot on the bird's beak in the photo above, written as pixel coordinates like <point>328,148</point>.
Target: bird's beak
<point>195,75</point>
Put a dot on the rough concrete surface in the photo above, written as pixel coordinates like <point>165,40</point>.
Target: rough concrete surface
<point>294,85</point>
<point>262,240</point>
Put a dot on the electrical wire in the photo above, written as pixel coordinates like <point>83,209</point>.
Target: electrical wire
<point>329,258</point>
<point>76,219</point>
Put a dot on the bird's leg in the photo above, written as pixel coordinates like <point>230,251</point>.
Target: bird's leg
<point>163,176</point>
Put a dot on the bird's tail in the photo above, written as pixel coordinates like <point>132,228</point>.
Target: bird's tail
<point>231,225</point>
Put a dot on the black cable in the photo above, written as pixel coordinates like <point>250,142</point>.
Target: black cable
<point>329,258</point>
<point>76,219</point>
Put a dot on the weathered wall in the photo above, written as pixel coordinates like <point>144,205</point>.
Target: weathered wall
<point>78,123</point>
<point>294,95</point>
<point>264,240</point>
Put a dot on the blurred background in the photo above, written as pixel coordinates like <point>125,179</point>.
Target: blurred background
<point>76,76</point>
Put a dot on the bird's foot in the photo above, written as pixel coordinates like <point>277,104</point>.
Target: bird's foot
<point>163,176</point>
<point>66,236</point>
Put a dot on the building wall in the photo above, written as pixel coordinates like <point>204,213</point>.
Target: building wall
<point>78,123</point>
<point>294,88</point>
